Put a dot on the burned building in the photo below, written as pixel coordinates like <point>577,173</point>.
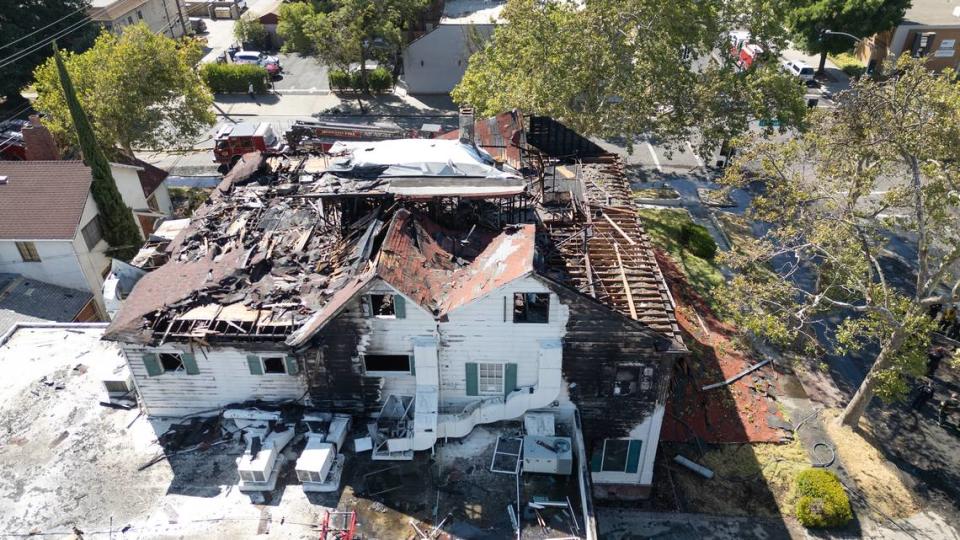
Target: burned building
<point>422,283</point>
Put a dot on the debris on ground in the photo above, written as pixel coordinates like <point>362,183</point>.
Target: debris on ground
<point>744,410</point>
<point>878,480</point>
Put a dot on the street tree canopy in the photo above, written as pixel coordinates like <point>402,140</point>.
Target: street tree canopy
<point>877,176</point>
<point>861,18</point>
<point>20,19</point>
<point>633,68</point>
<point>345,32</point>
<point>139,89</point>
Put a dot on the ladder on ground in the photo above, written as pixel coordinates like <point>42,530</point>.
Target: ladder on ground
<point>338,525</point>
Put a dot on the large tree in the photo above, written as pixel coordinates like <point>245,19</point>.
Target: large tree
<point>26,27</point>
<point>355,31</point>
<point>119,229</point>
<point>861,18</point>
<point>863,213</point>
<point>633,68</point>
<point>140,90</point>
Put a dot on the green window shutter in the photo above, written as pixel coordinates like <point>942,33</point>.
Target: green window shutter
<point>509,379</point>
<point>596,460</point>
<point>292,367</point>
<point>473,379</point>
<point>413,365</point>
<point>190,363</point>
<point>253,362</point>
<point>151,362</point>
<point>399,307</point>
<point>633,456</point>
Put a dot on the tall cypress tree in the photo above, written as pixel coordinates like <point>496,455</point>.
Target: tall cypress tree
<point>119,229</point>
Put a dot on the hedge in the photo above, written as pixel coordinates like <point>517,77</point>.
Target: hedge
<point>339,79</point>
<point>226,78</point>
<point>380,80</point>
<point>822,500</point>
<point>697,239</point>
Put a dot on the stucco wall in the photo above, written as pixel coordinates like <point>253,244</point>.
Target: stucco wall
<point>436,62</point>
<point>58,264</point>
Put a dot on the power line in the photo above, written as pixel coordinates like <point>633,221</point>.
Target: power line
<point>33,48</point>
<point>44,28</point>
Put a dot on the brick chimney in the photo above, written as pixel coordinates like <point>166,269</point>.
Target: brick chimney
<point>467,127</point>
<point>38,142</point>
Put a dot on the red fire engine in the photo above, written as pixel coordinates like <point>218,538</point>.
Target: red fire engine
<point>235,140</point>
<point>320,136</point>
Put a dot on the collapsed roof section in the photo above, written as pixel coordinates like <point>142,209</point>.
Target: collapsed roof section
<point>285,242</point>
<point>262,261</point>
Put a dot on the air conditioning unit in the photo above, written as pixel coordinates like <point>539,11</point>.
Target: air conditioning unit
<point>549,455</point>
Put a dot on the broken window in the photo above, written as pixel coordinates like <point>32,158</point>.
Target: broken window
<point>387,362</point>
<point>171,362</point>
<point>274,364</point>
<point>384,306</point>
<point>626,382</point>
<point>490,377</point>
<point>531,307</point>
<point>617,455</point>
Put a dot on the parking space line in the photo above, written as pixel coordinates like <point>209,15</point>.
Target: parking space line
<point>656,160</point>
<point>695,155</point>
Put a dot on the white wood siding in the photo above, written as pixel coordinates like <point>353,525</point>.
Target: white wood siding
<point>480,332</point>
<point>224,378</point>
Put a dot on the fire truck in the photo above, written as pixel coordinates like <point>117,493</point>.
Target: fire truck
<point>235,140</point>
<point>320,136</point>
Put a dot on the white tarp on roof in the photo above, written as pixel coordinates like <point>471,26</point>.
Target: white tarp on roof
<point>419,157</point>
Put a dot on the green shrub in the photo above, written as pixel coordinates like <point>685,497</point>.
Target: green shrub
<point>697,239</point>
<point>225,78</point>
<point>822,501</point>
<point>339,80</point>
<point>356,81</point>
<point>849,64</point>
<point>380,80</point>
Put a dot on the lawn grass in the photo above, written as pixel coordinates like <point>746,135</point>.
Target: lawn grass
<point>663,226</point>
<point>849,64</point>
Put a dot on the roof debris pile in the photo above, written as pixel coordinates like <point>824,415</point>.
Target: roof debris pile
<point>270,254</point>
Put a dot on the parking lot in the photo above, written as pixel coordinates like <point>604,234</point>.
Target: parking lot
<point>301,74</point>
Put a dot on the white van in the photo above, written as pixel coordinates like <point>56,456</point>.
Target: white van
<point>799,69</point>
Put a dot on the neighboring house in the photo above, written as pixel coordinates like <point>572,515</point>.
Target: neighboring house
<point>168,17</point>
<point>24,300</point>
<point>930,29</point>
<point>419,282</point>
<point>50,226</point>
<point>435,62</point>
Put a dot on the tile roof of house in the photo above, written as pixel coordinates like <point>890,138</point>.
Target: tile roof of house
<point>29,300</point>
<point>42,200</point>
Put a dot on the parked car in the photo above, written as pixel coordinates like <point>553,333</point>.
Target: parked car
<point>270,63</point>
<point>799,69</point>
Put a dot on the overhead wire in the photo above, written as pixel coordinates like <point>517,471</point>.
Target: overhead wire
<point>47,41</point>
<point>44,28</point>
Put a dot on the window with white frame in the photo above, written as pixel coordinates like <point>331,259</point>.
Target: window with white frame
<point>490,378</point>
<point>617,456</point>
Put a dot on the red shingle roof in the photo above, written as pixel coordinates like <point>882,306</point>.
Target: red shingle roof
<point>42,200</point>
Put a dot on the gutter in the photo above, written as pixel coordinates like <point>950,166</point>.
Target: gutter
<point>27,325</point>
